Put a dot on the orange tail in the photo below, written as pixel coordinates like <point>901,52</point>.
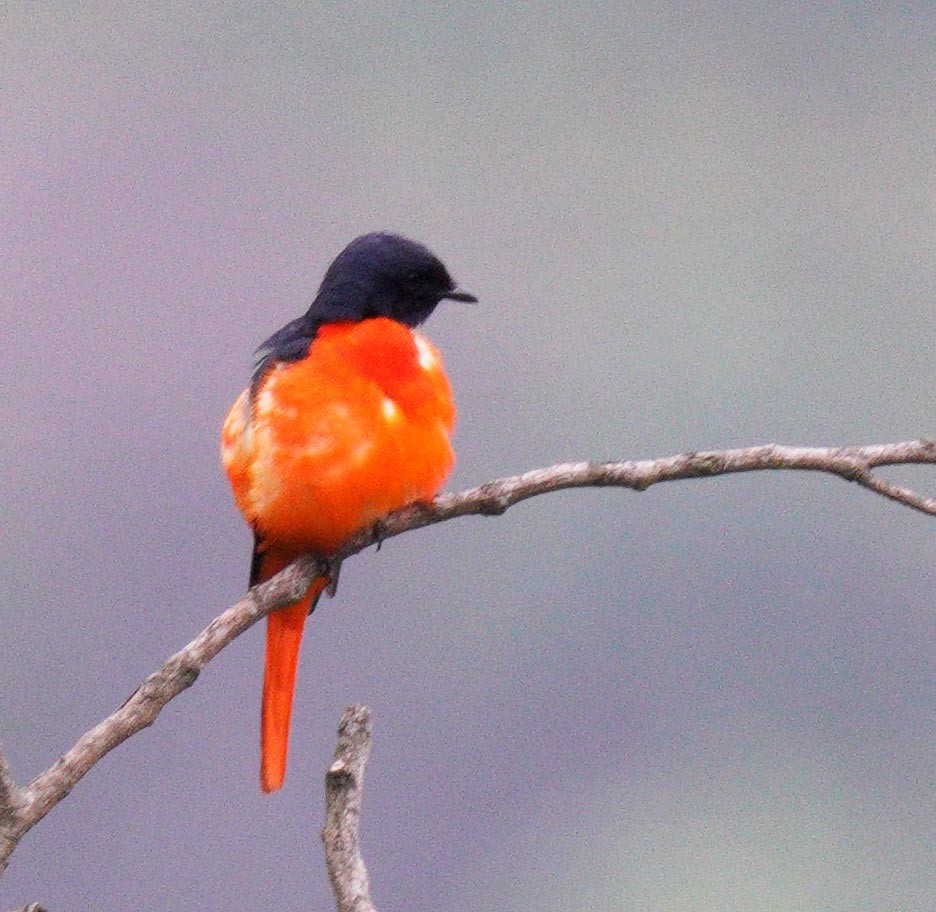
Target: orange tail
<point>284,636</point>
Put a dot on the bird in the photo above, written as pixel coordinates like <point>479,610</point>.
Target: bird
<point>347,417</point>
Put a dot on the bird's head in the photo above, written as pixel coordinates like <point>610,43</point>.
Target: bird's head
<point>384,275</point>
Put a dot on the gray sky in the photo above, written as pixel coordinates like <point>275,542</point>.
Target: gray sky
<point>690,226</point>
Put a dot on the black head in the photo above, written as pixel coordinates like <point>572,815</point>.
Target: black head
<point>384,275</point>
<point>376,275</point>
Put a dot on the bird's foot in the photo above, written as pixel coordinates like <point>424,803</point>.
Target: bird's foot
<point>379,532</point>
<point>332,572</point>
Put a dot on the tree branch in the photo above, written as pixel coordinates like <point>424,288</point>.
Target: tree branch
<point>140,710</point>
<point>31,803</point>
<point>344,792</point>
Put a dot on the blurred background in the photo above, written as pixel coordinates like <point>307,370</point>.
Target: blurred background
<point>690,226</point>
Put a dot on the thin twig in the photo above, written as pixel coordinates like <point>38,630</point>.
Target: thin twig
<point>344,792</point>
<point>180,671</point>
<point>495,497</point>
<point>140,710</point>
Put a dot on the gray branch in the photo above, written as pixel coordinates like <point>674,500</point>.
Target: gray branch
<point>344,792</point>
<point>21,808</point>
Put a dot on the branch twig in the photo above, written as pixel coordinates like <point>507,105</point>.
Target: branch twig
<point>28,805</point>
<point>344,792</point>
<point>140,710</point>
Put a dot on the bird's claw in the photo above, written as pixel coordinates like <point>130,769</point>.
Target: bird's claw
<point>379,532</point>
<point>332,572</point>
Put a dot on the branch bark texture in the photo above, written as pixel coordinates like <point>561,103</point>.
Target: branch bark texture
<point>344,792</point>
<point>22,807</point>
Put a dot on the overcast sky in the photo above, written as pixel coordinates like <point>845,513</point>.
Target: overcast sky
<point>689,226</point>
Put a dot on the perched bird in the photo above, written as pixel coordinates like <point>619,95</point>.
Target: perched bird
<point>346,419</point>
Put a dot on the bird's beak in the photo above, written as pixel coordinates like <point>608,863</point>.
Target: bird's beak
<point>462,296</point>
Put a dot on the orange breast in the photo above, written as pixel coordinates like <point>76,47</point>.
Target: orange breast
<point>354,431</point>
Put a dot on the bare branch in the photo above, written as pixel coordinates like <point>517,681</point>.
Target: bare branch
<point>179,672</point>
<point>495,497</point>
<point>344,792</point>
<point>143,706</point>
<point>851,463</point>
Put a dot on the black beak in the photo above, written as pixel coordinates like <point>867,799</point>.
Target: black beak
<point>462,296</point>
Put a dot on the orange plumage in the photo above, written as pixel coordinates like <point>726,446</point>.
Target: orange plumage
<point>323,445</point>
